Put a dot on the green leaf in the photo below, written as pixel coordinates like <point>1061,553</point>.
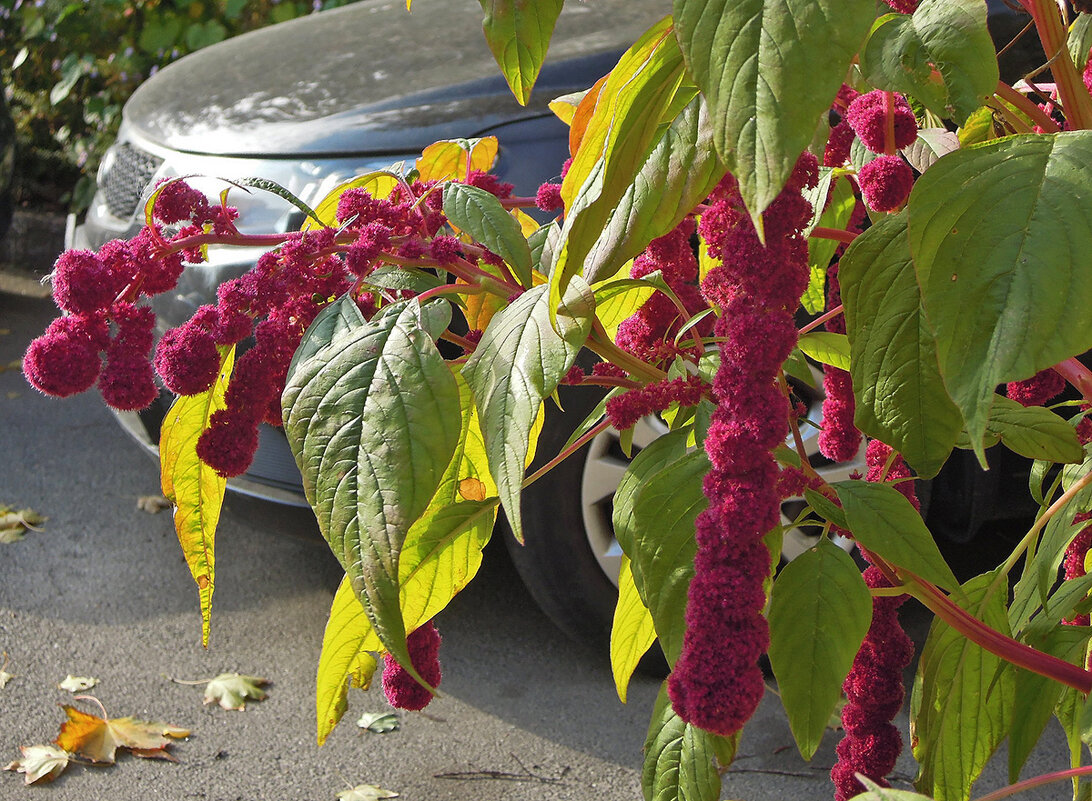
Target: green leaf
<point>820,611</point>
<point>978,128</point>
<point>519,361</point>
<point>1031,431</point>
<point>159,33</point>
<point>662,501</point>
<point>378,722</point>
<point>348,638</point>
<point>768,69</point>
<point>929,147</point>
<point>480,215</point>
<point>641,91</point>
<point>962,706</point>
<point>196,490</point>
<point>941,55</point>
<point>681,759</point>
<point>884,522</point>
<point>901,399</point>
<point>878,793</point>
<point>826,508</point>
<point>834,215</point>
<point>1035,696</point>
<point>826,348</point>
<point>632,632</point>
<point>1080,39</point>
<point>999,234</point>
<point>616,301</point>
<point>373,420</point>
<point>679,173</point>
<point>518,33</point>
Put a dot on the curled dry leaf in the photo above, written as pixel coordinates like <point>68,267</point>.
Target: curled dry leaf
<point>98,738</point>
<point>153,504</point>
<point>365,792</point>
<point>15,522</point>
<point>379,722</point>
<point>40,763</point>
<point>232,690</point>
<point>77,684</point>
<point>5,677</point>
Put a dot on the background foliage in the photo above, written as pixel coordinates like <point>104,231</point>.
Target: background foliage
<point>68,68</point>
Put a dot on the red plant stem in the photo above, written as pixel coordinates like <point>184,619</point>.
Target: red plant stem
<point>1032,110</point>
<point>243,240</point>
<point>600,343</point>
<point>889,119</point>
<point>994,641</point>
<point>836,234</point>
<point>1037,781</point>
<point>518,202</point>
<point>1077,375</point>
<point>818,321</point>
<point>1053,35</point>
<point>450,289</point>
<point>567,452</point>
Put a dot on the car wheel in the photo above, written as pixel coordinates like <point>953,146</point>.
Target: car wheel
<point>570,559</point>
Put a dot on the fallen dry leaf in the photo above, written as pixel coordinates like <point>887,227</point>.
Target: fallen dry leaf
<point>231,690</point>
<point>365,792</point>
<point>379,722</point>
<point>153,504</point>
<point>40,763</point>
<point>77,684</point>
<point>15,522</point>
<point>98,739</point>
<point>5,677</point>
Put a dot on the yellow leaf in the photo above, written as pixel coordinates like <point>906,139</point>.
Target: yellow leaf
<point>378,184</point>
<point>706,262</point>
<point>472,489</point>
<point>632,633</point>
<point>452,159</point>
<point>564,107</point>
<point>196,490</point>
<point>98,739</point>
<point>348,635</point>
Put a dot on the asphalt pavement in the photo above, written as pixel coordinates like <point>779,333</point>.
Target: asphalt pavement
<point>102,591</point>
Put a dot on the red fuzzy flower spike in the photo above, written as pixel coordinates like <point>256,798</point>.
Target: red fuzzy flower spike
<point>65,359</point>
<point>1037,390</point>
<point>1073,561</point>
<point>82,284</point>
<point>717,683</point>
<point>873,688</point>
<point>187,359</point>
<point>867,115</point>
<point>839,440</point>
<point>402,690</point>
<point>886,182</point>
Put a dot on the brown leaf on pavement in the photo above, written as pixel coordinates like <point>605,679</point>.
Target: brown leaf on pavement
<point>98,739</point>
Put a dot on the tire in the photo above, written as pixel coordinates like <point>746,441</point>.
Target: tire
<point>569,560</point>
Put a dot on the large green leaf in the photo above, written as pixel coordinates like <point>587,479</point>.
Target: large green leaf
<point>518,33</point>
<point>884,522</point>
<point>680,759</point>
<point>1035,696</point>
<point>196,490</point>
<point>1000,235</point>
<point>768,69</point>
<point>679,173</point>
<point>901,399</point>
<point>962,705</point>
<point>641,95</point>
<point>941,55</point>
<point>482,216</point>
<point>1031,431</point>
<point>373,421</point>
<point>820,611</point>
<point>660,504</point>
<point>520,360</point>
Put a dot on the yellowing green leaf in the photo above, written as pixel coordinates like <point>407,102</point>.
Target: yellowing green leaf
<point>15,522</point>
<point>348,635</point>
<point>196,490</point>
<point>452,159</point>
<point>378,184</point>
<point>98,739</point>
<point>518,34</point>
<point>632,632</point>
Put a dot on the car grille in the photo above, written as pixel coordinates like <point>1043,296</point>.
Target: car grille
<point>130,173</point>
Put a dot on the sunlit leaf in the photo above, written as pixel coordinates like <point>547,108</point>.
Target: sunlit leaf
<point>681,760</point>
<point>40,763</point>
<point>379,184</point>
<point>195,489</point>
<point>452,159</point>
<point>231,690</point>
<point>518,33</point>
<point>481,215</point>
<point>98,739</point>
<point>826,348</point>
<point>632,632</point>
<point>348,637</point>
<point>378,722</point>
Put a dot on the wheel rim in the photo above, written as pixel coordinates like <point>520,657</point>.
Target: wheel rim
<point>606,463</point>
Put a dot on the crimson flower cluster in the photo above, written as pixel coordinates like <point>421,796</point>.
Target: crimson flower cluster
<point>717,683</point>
<point>1038,390</point>
<point>626,409</point>
<point>402,690</point>
<point>873,688</point>
<point>839,440</point>
<point>887,179</point>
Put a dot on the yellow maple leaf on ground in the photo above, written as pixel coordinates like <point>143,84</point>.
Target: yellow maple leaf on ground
<point>98,739</point>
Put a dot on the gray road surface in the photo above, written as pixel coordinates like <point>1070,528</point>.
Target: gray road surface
<point>103,591</point>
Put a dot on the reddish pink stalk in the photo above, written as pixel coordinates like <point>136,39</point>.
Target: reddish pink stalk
<point>1053,35</point>
<point>836,234</point>
<point>1077,375</point>
<point>1037,781</point>
<point>818,321</point>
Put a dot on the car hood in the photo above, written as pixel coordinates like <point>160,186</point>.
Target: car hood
<point>369,78</point>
